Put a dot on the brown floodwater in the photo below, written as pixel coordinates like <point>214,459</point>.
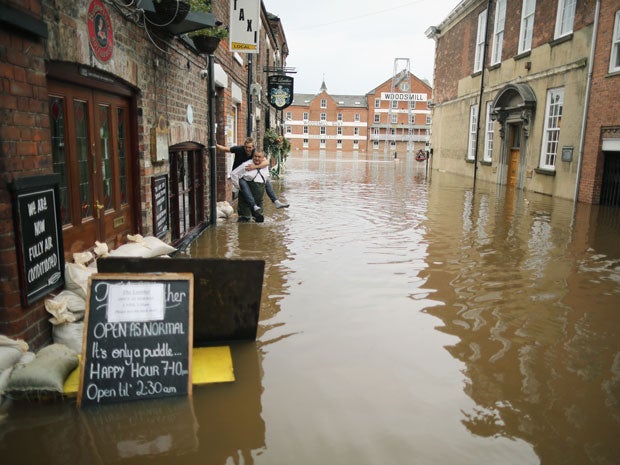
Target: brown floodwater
<point>406,318</point>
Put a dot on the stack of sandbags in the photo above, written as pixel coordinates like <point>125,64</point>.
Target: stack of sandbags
<point>224,210</point>
<point>144,247</point>
<point>12,353</point>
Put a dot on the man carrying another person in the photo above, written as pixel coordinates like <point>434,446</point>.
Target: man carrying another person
<point>256,179</point>
<point>245,153</point>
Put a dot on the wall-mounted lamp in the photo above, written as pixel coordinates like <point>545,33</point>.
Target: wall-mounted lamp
<point>528,65</point>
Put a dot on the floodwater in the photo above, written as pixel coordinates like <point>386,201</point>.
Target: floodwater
<point>405,319</point>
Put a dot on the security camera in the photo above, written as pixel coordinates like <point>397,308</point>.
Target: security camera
<point>204,73</point>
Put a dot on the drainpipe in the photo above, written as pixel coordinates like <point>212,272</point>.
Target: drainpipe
<point>212,171</point>
<point>249,97</point>
<point>484,58</point>
<point>582,139</point>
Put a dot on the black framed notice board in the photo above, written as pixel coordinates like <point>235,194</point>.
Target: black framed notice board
<point>38,235</point>
<point>137,337</point>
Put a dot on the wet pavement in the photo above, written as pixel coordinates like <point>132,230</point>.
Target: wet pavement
<point>405,318</point>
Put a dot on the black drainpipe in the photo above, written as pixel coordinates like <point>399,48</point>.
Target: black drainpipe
<point>484,59</point>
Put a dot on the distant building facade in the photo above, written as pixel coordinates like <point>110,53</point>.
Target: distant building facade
<point>513,99</point>
<point>394,117</point>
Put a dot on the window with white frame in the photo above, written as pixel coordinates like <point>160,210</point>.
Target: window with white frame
<point>473,124</point>
<point>323,103</point>
<point>551,134</point>
<point>394,119</point>
<point>375,131</point>
<point>305,115</point>
<point>498,32</point>
<point>339,143</point>
<point>288,129</point>
<point>355,144</point>
<point>322,143</point>
<point>377,103</point>
<point>411,119</point>
<point>377,118</point>
<point>614,62</point>
<point>322,129</point>
<point>339,116</point>
<point>527,25</point>
<point>323,116</point>
<point>394,103</point>
<point>428,119</point>
<point>357,117</point>
<point>375,144</point>
<point>339,130</point>
<point>305,145</point>
<point>480,36</point>
<point>488,135</point>
<point>565,19</point>
<point>356,131</point>
<point>305,129</point>
<point>412,104</point>
<point>289,115</point>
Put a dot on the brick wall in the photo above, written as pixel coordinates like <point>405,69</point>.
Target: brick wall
<point>24,151</point>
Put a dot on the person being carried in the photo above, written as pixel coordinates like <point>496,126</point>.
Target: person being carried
<point>256,180</point>
<point>242,154</point>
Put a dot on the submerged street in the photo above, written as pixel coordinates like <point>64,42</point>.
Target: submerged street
<point>405,319</point>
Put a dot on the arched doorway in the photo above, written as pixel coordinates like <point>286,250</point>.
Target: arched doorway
<point>514,108</point>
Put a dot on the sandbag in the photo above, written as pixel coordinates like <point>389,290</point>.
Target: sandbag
<point>144,247</point>
<point>76,278</point>
<point>45,375</point>
<point>66,307</point>
<point>70,335</point>
<point>11,351</point>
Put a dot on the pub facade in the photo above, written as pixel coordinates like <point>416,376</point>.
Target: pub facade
<point>105,133</point>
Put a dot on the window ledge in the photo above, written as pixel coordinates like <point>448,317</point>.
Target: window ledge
<point>486,163</point>
<point>520,56</point>
<point>495,66</point>
<point>561,40</point>
<point>545,171</point>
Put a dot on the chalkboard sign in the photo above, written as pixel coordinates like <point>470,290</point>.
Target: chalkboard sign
<point>159,191</point>
<point>137,338</point>
<point>38,233</point>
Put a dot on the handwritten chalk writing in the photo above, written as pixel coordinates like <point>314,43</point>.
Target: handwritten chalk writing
<point>113,330</point>
<point>93,392</point>
<point>100,371</point>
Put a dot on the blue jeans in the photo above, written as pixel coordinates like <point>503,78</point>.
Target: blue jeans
<point>244,188</point>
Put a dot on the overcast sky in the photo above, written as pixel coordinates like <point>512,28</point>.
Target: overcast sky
<point>353,43</point>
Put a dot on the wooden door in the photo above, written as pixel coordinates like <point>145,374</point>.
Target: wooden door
<point>90,147</point>
<point>514,151</point>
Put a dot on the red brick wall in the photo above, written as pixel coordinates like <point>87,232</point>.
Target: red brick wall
<point>603,114</point>
<point>25,150</point>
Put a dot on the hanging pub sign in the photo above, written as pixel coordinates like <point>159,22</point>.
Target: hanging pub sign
<point>244,26</point>
<point>280,91</point>
<point>38,233</point>
<point>100,34</point>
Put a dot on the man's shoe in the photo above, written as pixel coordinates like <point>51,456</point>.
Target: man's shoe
<point>279,204</point>
<point>258,216</point>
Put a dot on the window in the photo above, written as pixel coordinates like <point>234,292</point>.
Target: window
<point>357,117</point>
<point>498,32</point>
<point>339,144</point>
<point>375,144</point>
<point>488,135</point>
<point>480,38</point>
<point>614,62</point>
<point>339,130</point>
<point>412,104</point>
<point>473,123</point>
<point>377,118</point>
<point>565,18</point>
<point>289,115</point>
<point>322,130</point>
<point>305,144</point>
<point>323,116</point>
<point>322,143</point>
<point>394,119</point>
<point>377,103</point>
<point>288,129</point>
<point>355,144</point>
<point>306,115</point>
<point>428,119</point>
<point>394,103</point>
<point>356,131</point>
<point>527,25</point>
<point>339,116</point>
<point>323,103</point>
<point>411,119</point>
<point>375,131</point>
<point>551,134</point>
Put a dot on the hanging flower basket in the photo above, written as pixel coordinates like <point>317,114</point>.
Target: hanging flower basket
<point>206,44</point>
<point>171,11</point>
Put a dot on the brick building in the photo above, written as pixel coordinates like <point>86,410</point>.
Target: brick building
<point>107,109</point>
<point>513,90</point>
<point>327,122</point>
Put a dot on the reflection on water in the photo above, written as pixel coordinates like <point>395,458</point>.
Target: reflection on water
<point>404,319</point>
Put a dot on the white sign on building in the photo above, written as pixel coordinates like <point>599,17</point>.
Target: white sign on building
<point>404,97</point>
<point>244,25</point>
